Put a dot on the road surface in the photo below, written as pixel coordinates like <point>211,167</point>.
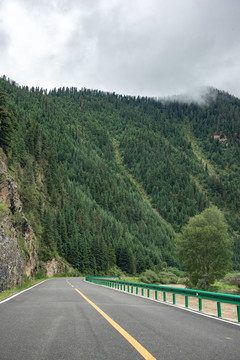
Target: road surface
<point>70,319</point>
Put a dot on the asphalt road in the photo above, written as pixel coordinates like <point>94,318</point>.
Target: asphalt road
<point>54,321</point>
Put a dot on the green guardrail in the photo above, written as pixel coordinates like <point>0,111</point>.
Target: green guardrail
<point>207,295</point>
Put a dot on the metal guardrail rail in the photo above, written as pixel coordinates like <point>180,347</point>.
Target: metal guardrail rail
<point>207,295</point>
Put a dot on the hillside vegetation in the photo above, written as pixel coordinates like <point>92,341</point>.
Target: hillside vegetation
<point>109,180</point>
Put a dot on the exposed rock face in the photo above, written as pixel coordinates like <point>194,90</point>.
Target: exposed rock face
<point>12,262</point>
<point>54,267</point>
<point>18,255</point>
<point>31,263</point>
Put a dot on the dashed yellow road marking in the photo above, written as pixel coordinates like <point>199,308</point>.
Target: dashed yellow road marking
<point>70,284</point>
<point>145,354</point>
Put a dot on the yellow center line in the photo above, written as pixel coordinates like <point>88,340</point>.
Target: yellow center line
<point>69,284</point>
<point>145,354</point>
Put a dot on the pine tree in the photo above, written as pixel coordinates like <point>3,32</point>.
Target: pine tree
<point>5,123</point>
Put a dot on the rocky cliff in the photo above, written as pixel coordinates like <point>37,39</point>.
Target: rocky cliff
<point>18,253</point>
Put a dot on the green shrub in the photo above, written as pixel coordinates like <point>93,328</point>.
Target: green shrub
<point>17,220</point>
<point>167,278</point>
<point>176,271</point>
<point>149,277</point>
<point>40,274</point>
<point>232,279</point>
<point>115,271</point>
<point>45,254</point>
<point>182,280</point>
<point>144,279</point>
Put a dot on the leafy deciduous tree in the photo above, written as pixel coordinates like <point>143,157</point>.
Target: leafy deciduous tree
<point>204,247</point>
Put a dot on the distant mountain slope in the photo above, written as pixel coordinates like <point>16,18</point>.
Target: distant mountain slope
<point>105,179</point>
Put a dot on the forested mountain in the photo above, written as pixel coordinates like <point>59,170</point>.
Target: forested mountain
<point>109,180</point>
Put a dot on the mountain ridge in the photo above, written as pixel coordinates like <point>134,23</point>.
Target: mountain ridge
<point>86,207</point>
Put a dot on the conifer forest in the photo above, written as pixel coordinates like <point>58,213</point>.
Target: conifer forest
<point>108,181</point>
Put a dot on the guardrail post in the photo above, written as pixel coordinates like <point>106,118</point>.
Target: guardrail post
<point>238,312</point>
<point>128,288</point>
<point>164,296</point>
<point>174,299</point>
<point>137,290</point>
<point>200,304</point>
<point>142,291</point>
<point>186,301</point>
<point>156,295</point>
<point>219,309</point>
<point>132,290</point>
<point>148,292</point>
<point>124,287</point>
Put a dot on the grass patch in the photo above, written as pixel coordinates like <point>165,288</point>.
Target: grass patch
<point>222,287</point>
<point>3,210</point>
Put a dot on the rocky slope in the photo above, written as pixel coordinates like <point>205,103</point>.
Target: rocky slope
<point>18,249</point>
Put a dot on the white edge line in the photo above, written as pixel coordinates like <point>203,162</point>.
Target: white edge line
<point>168,304</point>
<point>20,292</point>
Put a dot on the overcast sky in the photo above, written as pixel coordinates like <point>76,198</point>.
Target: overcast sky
<point>136,47</point>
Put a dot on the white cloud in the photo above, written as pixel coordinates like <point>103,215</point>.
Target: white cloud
<point>145,47</point>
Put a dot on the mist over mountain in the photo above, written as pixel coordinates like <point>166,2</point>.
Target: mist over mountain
<point>200,96</point>
<point>108,180</point>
